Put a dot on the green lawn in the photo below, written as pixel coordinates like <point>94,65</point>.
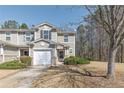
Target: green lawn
<point>12,65</point>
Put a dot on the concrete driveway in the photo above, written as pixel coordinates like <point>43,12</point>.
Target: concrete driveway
<point>23,78</point>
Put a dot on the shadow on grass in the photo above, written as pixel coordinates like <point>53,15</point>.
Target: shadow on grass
<point>66,76</point>
<point>68,69</point>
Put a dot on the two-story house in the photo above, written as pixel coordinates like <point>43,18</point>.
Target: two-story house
<point>45,43</point>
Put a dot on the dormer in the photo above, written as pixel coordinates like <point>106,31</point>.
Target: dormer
<point>46,31</point>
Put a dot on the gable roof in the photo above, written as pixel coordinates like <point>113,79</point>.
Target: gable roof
<point>54,28</point>
<point>65,32</point>
<point>44,23</point>
<point>17,30</point>
<point>49,41</point>
<point>60,32</point>
<point>41,39</point>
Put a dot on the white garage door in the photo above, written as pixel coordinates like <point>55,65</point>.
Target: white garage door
<point>42,57</point>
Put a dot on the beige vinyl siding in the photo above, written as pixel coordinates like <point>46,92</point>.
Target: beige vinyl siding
<point>0,49</point>
<point>2,36</point>
<point>10,53</point>
<point>61,39</point>
<point>54,36</point>
<point>10,50</point>
<point>39,45</point>
<point>10,57</point>
<point>17,38</point>
<point>38,33</point>
<point>21,39</point>
<point>13,39</point>
<point>71,43</point>
<point>1,58</point>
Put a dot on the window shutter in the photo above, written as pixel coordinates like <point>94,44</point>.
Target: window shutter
<point>50,35</point>
<point>41,34</point>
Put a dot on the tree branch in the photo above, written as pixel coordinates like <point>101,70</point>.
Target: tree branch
<point>103,24</point>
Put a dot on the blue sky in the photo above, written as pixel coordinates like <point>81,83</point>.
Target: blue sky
<point>57,15</point>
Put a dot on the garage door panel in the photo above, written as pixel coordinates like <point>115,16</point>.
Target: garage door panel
<point>42,57</point>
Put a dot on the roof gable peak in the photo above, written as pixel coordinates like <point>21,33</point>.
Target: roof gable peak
<point>45,23</point>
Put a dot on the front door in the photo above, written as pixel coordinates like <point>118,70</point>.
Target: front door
<point>61,54</point>
<point>24,52</point>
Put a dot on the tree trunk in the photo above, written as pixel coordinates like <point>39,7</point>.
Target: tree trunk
<point>111,63</point>
<point>121,53</point>
<point>100,55</point>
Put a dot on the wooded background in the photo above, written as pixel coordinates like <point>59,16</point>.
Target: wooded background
<point>93,42</point>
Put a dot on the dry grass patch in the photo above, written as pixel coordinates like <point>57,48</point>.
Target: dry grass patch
<point>78,76</point>
<point>5,73</point>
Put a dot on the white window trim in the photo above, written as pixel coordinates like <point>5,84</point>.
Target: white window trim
<point>48,33</point>
<point>8,36</point>
<point>27,36</point>
<point>66,38</point>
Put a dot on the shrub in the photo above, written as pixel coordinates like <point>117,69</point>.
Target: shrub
<point>83,61</point>
<point>72,60</point>
<point>26,60</point>
<point>15,64</point>
<point>88,58</point>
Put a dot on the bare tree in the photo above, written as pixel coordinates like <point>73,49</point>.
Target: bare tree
<point>81,41</point>
<point>111,19</point>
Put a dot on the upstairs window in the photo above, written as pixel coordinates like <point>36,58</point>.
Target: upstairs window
<point>46,34</point>
<point>28,36</point>
<point>70,50</point>
<point>65,38</point>
<point>8,36</point>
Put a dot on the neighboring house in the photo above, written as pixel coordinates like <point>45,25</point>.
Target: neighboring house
<point>45,43</point>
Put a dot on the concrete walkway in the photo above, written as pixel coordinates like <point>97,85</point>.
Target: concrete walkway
<point>22,79</point>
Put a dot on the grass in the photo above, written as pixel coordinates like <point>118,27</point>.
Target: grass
<point>12,65</point>
<point>91,75</point>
